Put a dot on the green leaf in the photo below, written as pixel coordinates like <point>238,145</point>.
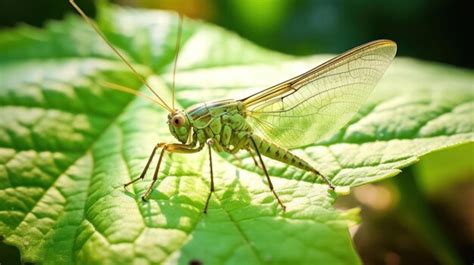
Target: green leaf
<point>440,170</point>
<point>67,145</point>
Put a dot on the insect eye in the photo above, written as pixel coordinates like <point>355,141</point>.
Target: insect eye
<point>178,120</point>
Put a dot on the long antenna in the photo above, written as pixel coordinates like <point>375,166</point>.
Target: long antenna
<point>178,41</point>
<point>129,90</point>
<point>139,76</point>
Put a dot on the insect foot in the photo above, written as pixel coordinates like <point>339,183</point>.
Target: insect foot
<point>328,182</point>
<point>331,186</point>
<point>283,207</point>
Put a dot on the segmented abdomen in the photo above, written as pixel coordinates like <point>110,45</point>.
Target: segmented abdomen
<point>273,151</point>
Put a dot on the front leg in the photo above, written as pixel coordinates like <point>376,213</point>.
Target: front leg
<point>145,169</point>
<point>173,148</point>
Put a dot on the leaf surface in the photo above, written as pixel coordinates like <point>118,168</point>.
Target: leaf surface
<point>67,146</point>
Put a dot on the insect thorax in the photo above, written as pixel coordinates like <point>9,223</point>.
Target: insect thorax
<point>224,121</point>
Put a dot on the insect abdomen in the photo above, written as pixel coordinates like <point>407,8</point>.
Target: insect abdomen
<point>280,154</point>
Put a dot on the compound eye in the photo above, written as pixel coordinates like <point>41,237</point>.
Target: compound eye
<point>178,120</point>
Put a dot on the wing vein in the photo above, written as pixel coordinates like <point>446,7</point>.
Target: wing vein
<point>317,103</point>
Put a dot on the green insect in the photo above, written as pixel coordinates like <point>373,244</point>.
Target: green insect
<point>270,123</point>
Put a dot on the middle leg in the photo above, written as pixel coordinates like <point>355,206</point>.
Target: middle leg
<point>210,142</point>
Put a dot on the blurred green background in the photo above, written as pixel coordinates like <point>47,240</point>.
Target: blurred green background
<point>424,216</point>
<point>426,29</point>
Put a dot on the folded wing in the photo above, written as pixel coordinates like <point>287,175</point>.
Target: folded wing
<point>316,104</point>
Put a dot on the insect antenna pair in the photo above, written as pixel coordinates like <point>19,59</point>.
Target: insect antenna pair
<point>180,148</point>
<point>121,88</point>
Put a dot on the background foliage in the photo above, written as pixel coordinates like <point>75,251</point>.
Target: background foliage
<point>427,29</point>
<point>67,145</point>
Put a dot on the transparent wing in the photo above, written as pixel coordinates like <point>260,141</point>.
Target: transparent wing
<point>319,102</point>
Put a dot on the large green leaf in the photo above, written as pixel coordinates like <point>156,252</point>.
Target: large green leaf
<point>67,146</point>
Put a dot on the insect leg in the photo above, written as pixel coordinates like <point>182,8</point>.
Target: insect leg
<point>270,184</point>
<point>155,175</point>
<point>253,157</point>
<point>142,175</point>
<point>173,148</point>
<point>209,143</point>
<point>331,186</point>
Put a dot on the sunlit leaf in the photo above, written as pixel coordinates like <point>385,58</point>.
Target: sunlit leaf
<point>67,146</point>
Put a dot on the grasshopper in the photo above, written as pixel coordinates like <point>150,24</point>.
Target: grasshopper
<point>271,122</point>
